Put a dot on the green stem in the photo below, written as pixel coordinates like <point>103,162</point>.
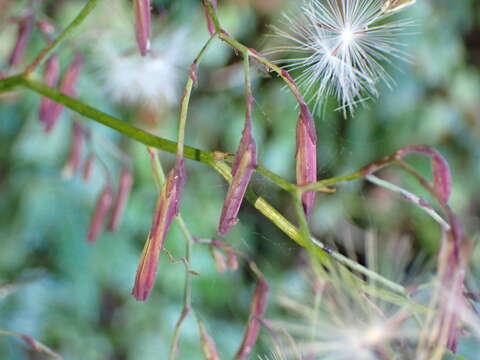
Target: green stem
<point>87,9</point>
<point>319,185</point>
<point>186,98</point>
<point>284,184</point>
<point>114,123</point>
<point>9,83</point>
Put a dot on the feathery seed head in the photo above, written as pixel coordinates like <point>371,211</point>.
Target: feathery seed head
<point>340,47</point>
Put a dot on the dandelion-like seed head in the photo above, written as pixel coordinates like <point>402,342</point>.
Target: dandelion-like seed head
<point>341,47</point>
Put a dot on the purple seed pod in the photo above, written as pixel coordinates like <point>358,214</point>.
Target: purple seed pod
<point>87,167</point>
<point>25,26</point>
<point>306,156</point>
<point>166,209</point>
<point>49,109</point>
<point>76,146</point>
<point>454,256</point>
<point>210,24</point>
<point>257,309</point>
<point>242,170</point>
<point>142,25</point>
<point>124,188</point>
<point>67,86</point>
<point>99,215</point>
<point>71,76</point>
<point>442,178</point>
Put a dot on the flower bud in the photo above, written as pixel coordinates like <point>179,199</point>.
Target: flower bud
<point>257,309</point>
<point>166,209</point>
<point>142,25</point>
<point>25,26</point>
<point>99,215</point>
<point>124,188</point>
<point>242,170</point>
<point>306,156</point>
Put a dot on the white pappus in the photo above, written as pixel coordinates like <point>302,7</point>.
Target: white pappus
<point>341,47</point>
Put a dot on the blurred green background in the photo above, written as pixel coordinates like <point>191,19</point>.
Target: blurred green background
<point>76,297</point>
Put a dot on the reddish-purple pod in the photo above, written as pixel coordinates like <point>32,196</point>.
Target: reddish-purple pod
<point>25,26</point>
<point>73,163</point>
<point>70,78</point>
<point>88,167</point>
<point>49,109</point>
<point>166,209</point>
<point>442,178</point>
<point>142,25</point>
<point>104,203</point>
<point>242,170</point>
<point>124,188</point>
<point>257,309</point>
<point>306,156</point>
<point>67,86</point>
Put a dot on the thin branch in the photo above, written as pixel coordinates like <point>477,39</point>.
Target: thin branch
<point>412,198</point>
<point>87,9</point>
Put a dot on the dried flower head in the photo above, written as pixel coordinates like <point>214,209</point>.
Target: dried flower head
<point>340,46</point>
<point>341,318</point>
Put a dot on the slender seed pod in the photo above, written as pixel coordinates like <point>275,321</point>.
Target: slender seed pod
<point>306,156</point>
<point>124,188</point>
<point>99,215</point>
<point>25,26</point>
<point>73,163</point>
<point>49,109</point>
<point>166,209</point>
<point>142,25</point>
<point>242,170</point>
<point>257,309</point>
